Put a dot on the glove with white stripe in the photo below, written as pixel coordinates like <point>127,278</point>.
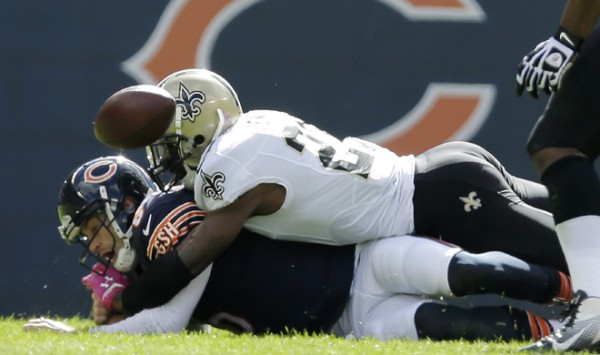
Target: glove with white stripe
<point>105,286</point>
<point>543,68</point>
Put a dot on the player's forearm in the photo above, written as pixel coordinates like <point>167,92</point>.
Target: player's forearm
<point>163,279</point>
<point>168,318</point>
<point>580,17</point>
<point>173,271</point>
<point>205,243</point>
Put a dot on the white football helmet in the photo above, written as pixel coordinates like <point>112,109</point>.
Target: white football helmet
<point>206,106</point>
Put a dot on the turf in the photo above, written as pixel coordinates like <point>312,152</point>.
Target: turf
<point>13,340</point>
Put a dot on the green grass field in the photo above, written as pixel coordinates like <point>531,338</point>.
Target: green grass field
<point>15,341</point>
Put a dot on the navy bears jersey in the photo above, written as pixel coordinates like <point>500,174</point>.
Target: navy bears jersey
<point>258,284</point>
<point>161,221</point>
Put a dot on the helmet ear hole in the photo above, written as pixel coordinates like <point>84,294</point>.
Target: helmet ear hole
<point>199,139</point>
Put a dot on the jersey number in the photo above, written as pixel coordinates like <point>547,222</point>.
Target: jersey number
<point>331,153</point>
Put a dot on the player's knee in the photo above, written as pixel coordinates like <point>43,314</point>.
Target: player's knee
<point>393,318</point>
<point>428,260</point>
<point>470,274</point>
<point>545,157</point>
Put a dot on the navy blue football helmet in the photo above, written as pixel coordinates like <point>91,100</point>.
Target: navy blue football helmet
<point>100,186</point>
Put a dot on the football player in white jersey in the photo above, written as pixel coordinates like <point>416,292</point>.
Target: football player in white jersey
<point>279,176</point>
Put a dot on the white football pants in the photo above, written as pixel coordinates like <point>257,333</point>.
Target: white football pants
<point>392,277</point>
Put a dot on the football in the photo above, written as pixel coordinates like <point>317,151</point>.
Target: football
<point>134,117</point>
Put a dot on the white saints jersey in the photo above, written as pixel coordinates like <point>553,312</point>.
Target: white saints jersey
<point>337,192</point>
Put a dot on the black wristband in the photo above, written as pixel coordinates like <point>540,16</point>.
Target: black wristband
<point>568,39</point>
<point>163,279</point>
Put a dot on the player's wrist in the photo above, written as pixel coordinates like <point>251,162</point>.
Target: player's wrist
<point>568,39</point>
<point>117,304</point>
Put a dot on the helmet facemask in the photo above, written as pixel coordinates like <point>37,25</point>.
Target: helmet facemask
<point>88,258</point>
<point>167,158</point>
<point>174,158</point>
<point>108,213</point>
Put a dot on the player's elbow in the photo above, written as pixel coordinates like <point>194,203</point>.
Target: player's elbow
<point>203,245</point>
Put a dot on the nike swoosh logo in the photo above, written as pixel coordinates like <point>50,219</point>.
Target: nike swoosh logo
<point>565,37</point>
<point>564,345</point>
<point>146,230</point>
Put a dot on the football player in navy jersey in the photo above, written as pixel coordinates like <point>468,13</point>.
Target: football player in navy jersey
<point>262,285</point>
<point>281,177</point>
<point>563,145</point>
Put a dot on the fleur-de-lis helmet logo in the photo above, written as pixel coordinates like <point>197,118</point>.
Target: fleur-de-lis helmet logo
<point>190,103</point>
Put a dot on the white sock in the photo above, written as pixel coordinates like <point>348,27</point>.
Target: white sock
<point>580,241</point>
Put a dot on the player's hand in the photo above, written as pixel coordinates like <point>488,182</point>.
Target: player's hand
<point>544,67</point>
<point>39,324</point>
<point>107,286</point>
<point>101,315</point>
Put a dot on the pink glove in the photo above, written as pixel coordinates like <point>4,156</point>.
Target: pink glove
<point>107,286</point>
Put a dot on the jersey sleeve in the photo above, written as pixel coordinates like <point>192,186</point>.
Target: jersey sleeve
<point>242,159</point>
<point>171,317</point>
<point>162,222</point>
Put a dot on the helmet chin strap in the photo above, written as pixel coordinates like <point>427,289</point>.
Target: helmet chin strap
<point>125,257</point>
<point>189,178</point>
